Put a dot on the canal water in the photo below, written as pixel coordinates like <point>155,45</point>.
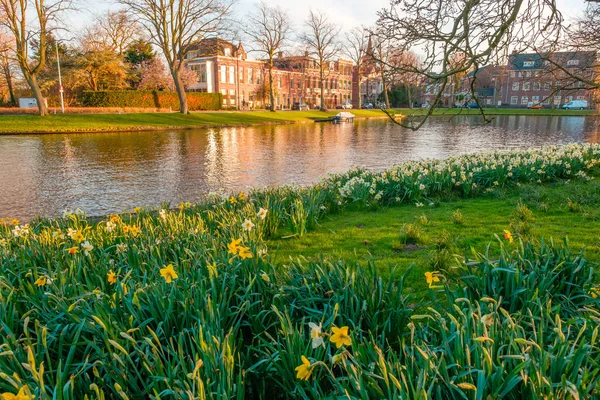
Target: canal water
<point>111,172</point>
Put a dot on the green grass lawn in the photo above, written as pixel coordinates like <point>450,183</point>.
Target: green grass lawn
<point>570,210</point>
<point>108,122</point>
<point>141,121</point>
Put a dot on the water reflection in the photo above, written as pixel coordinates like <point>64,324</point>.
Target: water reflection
<point>102,173</point>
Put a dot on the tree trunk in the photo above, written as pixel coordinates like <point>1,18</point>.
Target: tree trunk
<point>9,84</point>
<point>271,90</point>
<point>385,92</point>
<point>37,93</point>
<point>180,88</point>
<point>410,104</point>
<point>358,86</point>
<point>322,78</point>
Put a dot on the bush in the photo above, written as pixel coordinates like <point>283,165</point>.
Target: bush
<point>150,99</point>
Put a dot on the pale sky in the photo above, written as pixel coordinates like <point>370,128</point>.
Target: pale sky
<point>348,13</point>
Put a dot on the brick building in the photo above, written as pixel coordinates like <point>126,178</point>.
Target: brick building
<point>223,67</point>
<point>531,78</point>
<point>526,79</point>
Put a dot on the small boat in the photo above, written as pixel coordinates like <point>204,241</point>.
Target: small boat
<point>343,117</point>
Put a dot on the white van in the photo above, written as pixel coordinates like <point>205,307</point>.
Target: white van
<point>575,105</point>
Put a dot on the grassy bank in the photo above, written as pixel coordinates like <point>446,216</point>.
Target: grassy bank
<point>147,121</point>
<point>432,237</point>
<point>195,302</point>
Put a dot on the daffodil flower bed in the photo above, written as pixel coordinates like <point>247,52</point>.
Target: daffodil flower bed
<point>187,303</point>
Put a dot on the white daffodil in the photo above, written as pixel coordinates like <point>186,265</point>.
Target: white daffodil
<point>247,225</point>
<point>316,334</point>
<point>86,247</point>
<point>262,213</point>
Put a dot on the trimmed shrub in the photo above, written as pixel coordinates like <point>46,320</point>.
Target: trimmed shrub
<point>150,99</point>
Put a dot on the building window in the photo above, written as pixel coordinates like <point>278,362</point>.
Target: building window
<point>546,101</point>
<point>515,86</point>
<point>535,99</point>
<point>227,52</point>
<point>241,77</point>
<point>250,76</point>
<point>547,85</point>
<point>569,98</point>
<point>556,99</point>
<point>513,74</point>
<point>536,86</point>
<point>580,97</point>
<point>526,85</point>
<point>279,82</point>
<point>223,70</point>
<point>571,63</point>
<point>528,63</point>
<point>528,74</point>
<point>231,74</point>
<point>524,100</point>
<point>579,84</point>
<point>514,100</point>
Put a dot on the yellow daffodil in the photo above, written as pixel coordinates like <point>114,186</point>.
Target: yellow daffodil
<point>78,237</point>
<point>304,370</point>
<point>508,236</point>
<point>244,252</point>
<point>134,230</point>
<point>14,222</point>
<point>169,273</point>
<point>265,277</point>
<point>137,210</point>
<point>234,246</point>
<point>232,200</point>
<point>111,277</point>
<point>430,278</point>
<point>22,395</point>
<point>41,281</point>
<point>242,196</point>
<point>340,337</point>
<point>594,292</point>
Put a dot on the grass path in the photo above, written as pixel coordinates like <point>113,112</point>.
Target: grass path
<point>16,124</point>
<point>561,210</point>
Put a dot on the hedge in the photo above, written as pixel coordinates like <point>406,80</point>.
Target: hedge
<point>150,99</point>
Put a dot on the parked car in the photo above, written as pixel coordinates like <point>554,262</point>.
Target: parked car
<point>367,106</point>
<point>575,105</point>
<point>345,106</point>
<point>300,106</point>
<point>534,106</point>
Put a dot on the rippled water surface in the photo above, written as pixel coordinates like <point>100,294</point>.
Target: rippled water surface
<point>108,172</point>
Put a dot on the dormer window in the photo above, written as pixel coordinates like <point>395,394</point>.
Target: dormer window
<point>528,63</point>
<point>571,63</point>
<point>227,52</point>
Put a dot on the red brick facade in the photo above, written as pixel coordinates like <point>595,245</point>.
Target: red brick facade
<point>223,67</point>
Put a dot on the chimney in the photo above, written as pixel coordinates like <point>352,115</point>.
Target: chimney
<point>280,54</point>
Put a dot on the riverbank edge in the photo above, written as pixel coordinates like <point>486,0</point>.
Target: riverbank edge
<point>401,113</point>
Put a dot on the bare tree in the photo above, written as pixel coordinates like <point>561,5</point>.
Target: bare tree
<point>6,66</point>
<point>482,30</point>
<point>175,26</point>
<point>15,19</point>
<point>320,38</point>
<point>268,28</point>
<point>382,53</point>
<point>115,30</point>
<point>406,78</point>
<point>355,48</point>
